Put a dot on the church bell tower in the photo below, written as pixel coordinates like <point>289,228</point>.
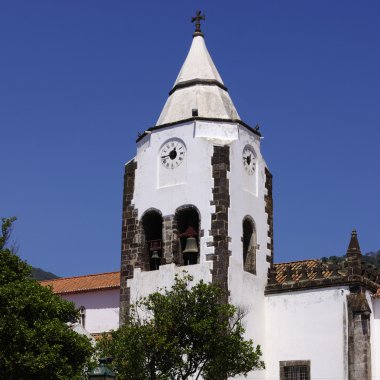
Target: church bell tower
<point>198,195</point>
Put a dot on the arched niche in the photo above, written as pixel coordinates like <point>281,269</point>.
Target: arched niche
<point>151,222</point>
<point>187,219</point>
<point>249,245</point>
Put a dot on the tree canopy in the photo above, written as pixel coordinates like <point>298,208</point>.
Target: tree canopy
<point>181,333</point>
<point>36,341</point>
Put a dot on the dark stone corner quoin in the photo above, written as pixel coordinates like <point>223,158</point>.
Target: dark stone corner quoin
<point>359,336</point>
<point>268,199</point>
<point>220,163</point>
<point>130,248</point>
<point>312,274</point>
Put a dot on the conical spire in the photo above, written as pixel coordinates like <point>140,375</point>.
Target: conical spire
<point>198,64</point>
<point>198,90</point>
<point>353,247</point>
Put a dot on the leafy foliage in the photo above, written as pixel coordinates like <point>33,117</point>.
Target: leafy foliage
<point>181,333</point>
<point>35,339</point>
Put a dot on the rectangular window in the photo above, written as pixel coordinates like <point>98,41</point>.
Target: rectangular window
<point>295,370</point>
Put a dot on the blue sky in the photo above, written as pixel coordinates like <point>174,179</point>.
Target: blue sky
<point>79,79</point>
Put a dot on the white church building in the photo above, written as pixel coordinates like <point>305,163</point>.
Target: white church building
<point>198,197</point>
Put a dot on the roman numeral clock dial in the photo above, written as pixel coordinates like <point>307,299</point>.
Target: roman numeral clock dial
<point>172,154</point>
<point>249,160</point>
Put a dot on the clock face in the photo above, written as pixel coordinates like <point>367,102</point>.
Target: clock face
<point>172,154</point>
<point>249,159</point>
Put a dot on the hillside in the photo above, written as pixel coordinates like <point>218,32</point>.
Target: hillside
<point>39,274</point>
<point>373,258</point>
<point>370,257</point>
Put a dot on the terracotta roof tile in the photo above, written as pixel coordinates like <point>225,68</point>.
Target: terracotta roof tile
<point>110,280</point>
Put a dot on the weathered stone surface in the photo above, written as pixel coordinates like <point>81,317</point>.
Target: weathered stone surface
<point>318,274</point>
<point>130,249</point>
<point>268,198</point>
<point>170,239</point>
<point>359,343</point>
<point>220,162</point>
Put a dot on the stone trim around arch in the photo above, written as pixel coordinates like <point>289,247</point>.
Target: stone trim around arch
<point>154,235</point>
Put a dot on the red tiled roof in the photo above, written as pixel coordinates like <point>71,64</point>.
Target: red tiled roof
<point>110,280</point>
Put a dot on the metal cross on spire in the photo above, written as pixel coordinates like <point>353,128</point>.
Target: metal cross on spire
<point>197,20</point>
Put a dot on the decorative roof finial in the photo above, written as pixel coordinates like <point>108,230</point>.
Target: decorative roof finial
<point>353,247</point>
<point>197,20</point>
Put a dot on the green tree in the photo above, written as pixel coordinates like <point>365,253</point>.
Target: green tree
<point>36,341</point>
<point>182,333</point>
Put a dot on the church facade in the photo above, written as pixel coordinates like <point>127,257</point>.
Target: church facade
<point>198,198</point>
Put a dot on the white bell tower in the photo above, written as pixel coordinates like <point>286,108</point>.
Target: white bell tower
<point>198,196</point>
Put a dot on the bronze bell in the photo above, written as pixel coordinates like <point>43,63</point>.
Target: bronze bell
<point>155,256</point>
<point>191,245</point>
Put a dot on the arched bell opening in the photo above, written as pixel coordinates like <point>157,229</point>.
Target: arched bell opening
<point>188,224</point>
<point>249,245</point>
<point>152,227</point>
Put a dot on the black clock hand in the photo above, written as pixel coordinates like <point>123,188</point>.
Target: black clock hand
<point>173,154</point>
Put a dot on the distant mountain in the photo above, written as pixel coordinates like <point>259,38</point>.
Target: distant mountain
<point>370,257</point>
<point>39,274</point>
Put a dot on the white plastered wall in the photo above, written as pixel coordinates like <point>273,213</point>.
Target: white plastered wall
<point>195,185</point>
<point>144,283</point>
<point>308,325</point>
<point>102,309</point>
<point>247,198</point>
<point>192,183</point>
<point>189,184</point>
<point>165,190</point>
